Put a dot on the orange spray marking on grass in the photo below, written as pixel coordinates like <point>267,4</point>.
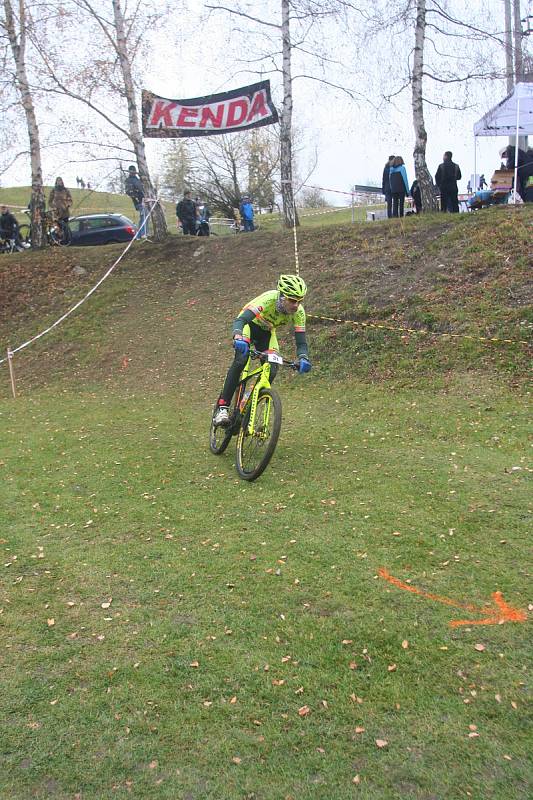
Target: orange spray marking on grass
<point>495,614</point>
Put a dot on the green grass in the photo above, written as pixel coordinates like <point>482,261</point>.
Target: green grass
<point>130,553</point>
<point>110,499</point>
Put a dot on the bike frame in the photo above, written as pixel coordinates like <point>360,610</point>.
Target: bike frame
<point>263,382</point>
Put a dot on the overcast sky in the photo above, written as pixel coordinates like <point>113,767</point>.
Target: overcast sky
<point>352,138</point>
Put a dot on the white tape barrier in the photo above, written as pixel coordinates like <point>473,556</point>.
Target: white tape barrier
<point>89,293</point>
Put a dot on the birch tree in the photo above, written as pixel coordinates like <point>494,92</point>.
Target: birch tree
<point>422,173</point>
<point>281,43</point>
<point>15,26</point>
<point>103,76</point>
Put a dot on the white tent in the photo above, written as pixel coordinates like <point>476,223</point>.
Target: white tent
<point>512,117</point>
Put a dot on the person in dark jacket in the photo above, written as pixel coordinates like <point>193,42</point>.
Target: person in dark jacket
<point>134,189</point>
<point>446,179</point>
<point>399,185</point>
<point>9,227</point>
<point>187,214</point>
<point>417,196</point>
<point>385,186</point>
<point>524,173</point>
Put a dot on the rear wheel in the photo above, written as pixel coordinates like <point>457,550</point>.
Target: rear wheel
<point>255,450</point>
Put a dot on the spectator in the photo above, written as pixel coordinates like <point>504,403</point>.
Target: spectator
<point>9,227</point>
<point>524,173</point>
<point>60,201</point>
<point>482,183</point>
<point>417,196</point>
<point>385,186</point>
<point>247,213</point>
<point>399,185</point>
<point>134,189</point>
<point>446,179</point>
<point>187,213</point>
<point>469,188</point>
<point>88,184</point>
<point>82,183</point>
<point>203,218</point>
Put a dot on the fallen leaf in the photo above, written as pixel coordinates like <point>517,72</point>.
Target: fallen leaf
<point>381,742</point>
<point>347,641</point>
<point>405,644</point>
<point>194,664</point>
<point>514,705</point>
<point>359,729</point>
<point>392,668</point>
<point>473,735</point>
<point>304,711</point>
<point>498,698</point>
<point>236,760</point>
<point>353,665</point>
<point>233,701</point>
<point>479,647</point>
<point>50,622</point>
<point>107,604</point>
<point>356,779</point>
<point>472,727</point>
<point>153,764</point>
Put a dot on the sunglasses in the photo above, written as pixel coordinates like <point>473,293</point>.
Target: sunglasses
<point>293,299</point>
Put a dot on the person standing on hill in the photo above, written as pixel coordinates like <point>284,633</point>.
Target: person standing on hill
<point>417,196</point>
<point>385,186</point>
<point>399,185</point>
<point>446,179</point>
<point>187,213</point>
<point>247,214</point>
<point>60,201</point>
<point>134,189</point>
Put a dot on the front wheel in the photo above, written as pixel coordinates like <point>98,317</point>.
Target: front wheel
<point>219,437</point>
<point>254,450</point>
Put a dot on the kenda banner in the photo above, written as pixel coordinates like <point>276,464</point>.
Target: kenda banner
<point>227,112</point>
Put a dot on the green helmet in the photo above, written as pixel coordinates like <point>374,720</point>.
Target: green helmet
<point>292,286</point>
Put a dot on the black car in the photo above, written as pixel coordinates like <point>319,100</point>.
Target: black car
<point>101,229</point>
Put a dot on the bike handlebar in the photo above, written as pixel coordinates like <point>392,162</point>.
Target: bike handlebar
<point>258,354</point>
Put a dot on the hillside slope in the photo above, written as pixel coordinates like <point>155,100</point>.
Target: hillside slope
<point>167,309</point>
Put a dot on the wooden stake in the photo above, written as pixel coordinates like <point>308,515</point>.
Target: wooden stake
<point>11,371</point>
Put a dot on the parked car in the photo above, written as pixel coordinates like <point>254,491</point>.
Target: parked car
<point>101,229</point>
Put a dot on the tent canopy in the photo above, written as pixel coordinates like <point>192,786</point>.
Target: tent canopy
<point>501,120</point>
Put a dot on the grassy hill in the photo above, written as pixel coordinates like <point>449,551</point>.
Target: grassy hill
<point>170,631</point>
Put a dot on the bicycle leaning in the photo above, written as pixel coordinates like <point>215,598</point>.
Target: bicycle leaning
<point>255,417</point>
<point>57,232</point>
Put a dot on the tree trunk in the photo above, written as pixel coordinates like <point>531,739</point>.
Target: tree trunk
<point>287,191</point>
<point>517,35</point>
<point>18,49</point>
<point>425,181</point>
<point>158,217</point>
<point>509,69</point>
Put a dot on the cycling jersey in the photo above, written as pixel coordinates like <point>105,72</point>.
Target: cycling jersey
<point>262,311</point>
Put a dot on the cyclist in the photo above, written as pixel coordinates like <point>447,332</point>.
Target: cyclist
<point>256,324</point>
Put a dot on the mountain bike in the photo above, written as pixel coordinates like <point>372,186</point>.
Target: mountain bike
<point>57,231</point>
<point>255,417</point>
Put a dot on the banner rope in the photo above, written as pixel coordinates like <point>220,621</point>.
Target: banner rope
<point>420,331</point>
<point>91,291</point>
